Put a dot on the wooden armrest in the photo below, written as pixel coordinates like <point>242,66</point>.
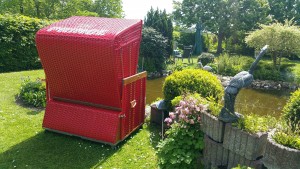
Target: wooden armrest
<point>135,77</point>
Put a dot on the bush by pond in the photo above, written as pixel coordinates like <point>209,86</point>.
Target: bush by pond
<point>33,93</point>
<point>292,110</point>
<point>289,132</point>
<point>231,65</point>
<point>192,81</point>
<point>206,58</point>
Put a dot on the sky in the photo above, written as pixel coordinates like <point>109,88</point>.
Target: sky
<point>137,9</point>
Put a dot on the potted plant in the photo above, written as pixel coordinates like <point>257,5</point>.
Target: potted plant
<point>248,136</point>
<point>283,147</point>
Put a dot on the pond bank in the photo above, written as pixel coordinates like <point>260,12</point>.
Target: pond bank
<point>263,84</point>
<point>256,84</point>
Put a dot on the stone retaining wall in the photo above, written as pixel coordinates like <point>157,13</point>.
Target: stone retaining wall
<point>227,146</point>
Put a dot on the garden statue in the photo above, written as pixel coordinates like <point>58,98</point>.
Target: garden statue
<point>240,80</point>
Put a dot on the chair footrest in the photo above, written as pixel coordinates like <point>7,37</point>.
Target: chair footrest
<point>92,123</point>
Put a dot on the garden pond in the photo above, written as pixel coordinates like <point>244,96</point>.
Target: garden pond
<point>258,101</point>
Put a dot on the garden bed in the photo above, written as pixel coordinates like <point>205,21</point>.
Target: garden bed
<point>278,156</point>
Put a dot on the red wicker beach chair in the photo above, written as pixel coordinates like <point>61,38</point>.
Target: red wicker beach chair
<point>93,90</point>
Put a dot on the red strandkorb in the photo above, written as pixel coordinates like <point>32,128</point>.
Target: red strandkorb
<point>93,89</point>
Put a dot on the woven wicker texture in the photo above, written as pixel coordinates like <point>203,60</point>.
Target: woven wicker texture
<point>87,57</point>
<point>85,60</point>
<point>134,116</point>
<point>89,122</point>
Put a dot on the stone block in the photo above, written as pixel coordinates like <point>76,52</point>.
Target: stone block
<point>250,146</point>
<point>214,154</point>
<point>213,127</point>
<point>278,156</point>
<point>235,160</point>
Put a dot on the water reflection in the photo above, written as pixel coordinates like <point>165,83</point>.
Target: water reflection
<point>154,89</point>
<point>262,102</point>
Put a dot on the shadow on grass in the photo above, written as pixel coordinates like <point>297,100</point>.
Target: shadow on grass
<point>34,110</point>
<point>52,150</point>
<point>155,134</point>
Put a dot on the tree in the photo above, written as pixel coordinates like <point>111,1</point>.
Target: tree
<point>59,9</point>
<point>160,21</point>
<point>153,50</point>
<point>281,10</point>
<point>108,8</point>
<point>220,17</point>
<point>283,40</point>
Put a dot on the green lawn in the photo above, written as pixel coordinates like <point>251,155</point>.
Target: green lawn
<point>24,144</point>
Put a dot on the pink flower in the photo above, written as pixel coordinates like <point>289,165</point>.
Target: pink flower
<point>192,121</point>
<point>182,103</point>
<point>172,115</point>
<point>168,120</point>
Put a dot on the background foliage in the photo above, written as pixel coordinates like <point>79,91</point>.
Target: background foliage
<point>59,9</point>
<point>283,40</point>
<point>17,44</point>
<point>161,22</point>
<point>153,50</point>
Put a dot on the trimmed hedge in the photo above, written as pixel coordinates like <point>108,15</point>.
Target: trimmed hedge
<point>192,81</point>
<point>17,42</point>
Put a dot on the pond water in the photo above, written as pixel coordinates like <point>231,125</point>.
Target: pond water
<point>262,102</point>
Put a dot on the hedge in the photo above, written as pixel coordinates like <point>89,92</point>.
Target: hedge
<point>192,81</point>
<point>17,42</point>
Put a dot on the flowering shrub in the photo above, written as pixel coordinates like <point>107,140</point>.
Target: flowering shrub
<point>184,141</point>
<point>187,112</point>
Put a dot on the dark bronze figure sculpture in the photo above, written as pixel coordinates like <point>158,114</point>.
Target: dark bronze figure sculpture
<point>240,80</point>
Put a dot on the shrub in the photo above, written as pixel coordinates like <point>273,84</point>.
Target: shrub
<point>206,58</point>
<point>292,110</point>
<point>184,140</point>
<point>254,123</point>
<point>33,93</point>
<point>242,167</point>
<point>231,65</point>
<point>17,44</point>
<point>153,50</point>
<point>193,81</point>
<point>266,71</point>
<point>178,66</point>
<point>287,138</point>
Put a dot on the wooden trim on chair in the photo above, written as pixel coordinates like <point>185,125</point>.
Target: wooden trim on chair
<point>87,104</point>
<point>135,77</point>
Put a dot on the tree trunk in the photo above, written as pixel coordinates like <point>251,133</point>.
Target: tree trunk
<point>21,6</point>
<point>220,40</point>
<point>274,58</point>
<point>37,7</point>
